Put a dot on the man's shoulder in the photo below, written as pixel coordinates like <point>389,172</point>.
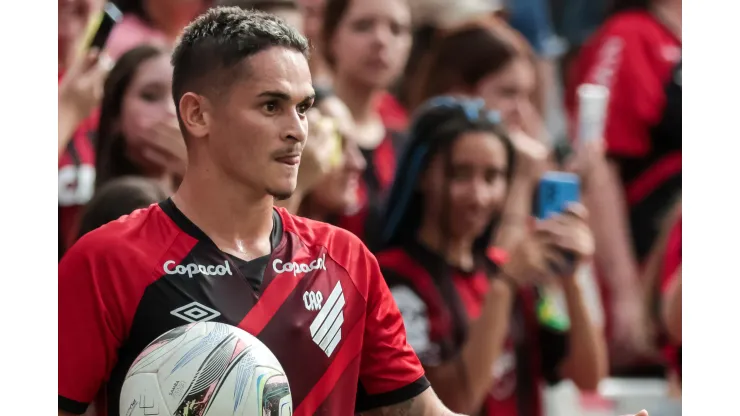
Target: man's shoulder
<point>312,232</point>
<point>134,238</point>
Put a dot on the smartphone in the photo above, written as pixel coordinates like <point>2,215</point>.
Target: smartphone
<point>555,191</point>
<point>100,27</point>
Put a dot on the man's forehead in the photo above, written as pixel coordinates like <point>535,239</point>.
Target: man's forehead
<point>280,69</point>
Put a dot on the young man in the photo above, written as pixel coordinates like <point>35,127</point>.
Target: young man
<point>218,250</point>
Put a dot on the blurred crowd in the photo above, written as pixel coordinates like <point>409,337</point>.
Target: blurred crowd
<point>433,123</point>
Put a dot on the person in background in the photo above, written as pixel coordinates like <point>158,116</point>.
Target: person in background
<point>81,76</point>
<point>429,18</point>
<point>366,43</point>
<point>486,58</point>
<point>156,22</point>
<point>470,310</point>
<point>636,54</point>
<point>532,18</point>
<point>313,24</point>
<point>331,164</point>
<point>138,132</point>
<point>117,198</point>
<point>662,283</point>
<point>288,10</point>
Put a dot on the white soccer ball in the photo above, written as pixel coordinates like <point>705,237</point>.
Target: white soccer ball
<point>206,369</point>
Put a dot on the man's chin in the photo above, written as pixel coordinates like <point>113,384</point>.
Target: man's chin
<point>281,194</point>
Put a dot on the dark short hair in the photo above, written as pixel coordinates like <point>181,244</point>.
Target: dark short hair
<point>212,47</point>
<point>262,5</point>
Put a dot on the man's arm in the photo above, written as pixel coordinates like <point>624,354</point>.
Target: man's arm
<point>425,404</point>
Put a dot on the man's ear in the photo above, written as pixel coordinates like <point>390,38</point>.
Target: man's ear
<point>194,111</point>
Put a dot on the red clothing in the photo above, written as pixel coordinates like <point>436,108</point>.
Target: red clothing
<point>671,263</point>
<point>437,301</point>
<point>380,170</point>
<point>639,60</point>
<point>76,179</point>
<point>120,286</point>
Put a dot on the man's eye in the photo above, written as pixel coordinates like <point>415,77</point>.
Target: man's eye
<point>271,107</point>
<point>303,108</point>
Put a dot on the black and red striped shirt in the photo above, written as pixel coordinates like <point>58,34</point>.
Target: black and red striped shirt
<point>123,285</point>
<point>639,60</point>
<point>437,301</point>
<point>378,176</point>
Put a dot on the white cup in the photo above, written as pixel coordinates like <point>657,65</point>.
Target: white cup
<point>592,105</point>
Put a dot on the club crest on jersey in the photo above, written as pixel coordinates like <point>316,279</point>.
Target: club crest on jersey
<point>312,300</point>
<point>297,268</point>
<point>194,269</point>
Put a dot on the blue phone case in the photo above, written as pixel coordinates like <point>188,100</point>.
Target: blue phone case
<point>555,191</point>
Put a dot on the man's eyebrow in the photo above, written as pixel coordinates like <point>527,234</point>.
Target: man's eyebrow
<point>283,96</point>
<point>275,94</point>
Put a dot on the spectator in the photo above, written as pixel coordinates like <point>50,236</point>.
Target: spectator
<point>313,24</point>
<point>636,54</point>
<point>366,43</point>
<point>288,10</point>
<point>430,17</point>
<point>662,280</point>
<point>81,77</point>
<point>117,198</point>
<point>486,58</point>
<point>335,192</point>
<point>468,312</point>
<point>155,22</point>
<point>138,133</point>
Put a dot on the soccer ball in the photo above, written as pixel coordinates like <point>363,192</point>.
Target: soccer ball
<point>206,369</point>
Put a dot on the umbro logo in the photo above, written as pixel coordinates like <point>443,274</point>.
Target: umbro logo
<point>195,312</point>
<point>326,328</point>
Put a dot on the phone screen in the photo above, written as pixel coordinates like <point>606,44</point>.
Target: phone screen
<point>100,27</point>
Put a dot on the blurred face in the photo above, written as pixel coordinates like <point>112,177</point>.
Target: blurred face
<point>73,17</point>
<point>256,131</point>
<point>147,103</point>
<point>474,188</point>
<point>510,92</point>
<point>372,41</point>
<point>313,17</point>
<point>338,190</point>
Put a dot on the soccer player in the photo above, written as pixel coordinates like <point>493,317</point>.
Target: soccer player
<point>218,250</point>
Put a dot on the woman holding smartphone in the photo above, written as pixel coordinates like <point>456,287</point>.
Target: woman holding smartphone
<point>469,310</point>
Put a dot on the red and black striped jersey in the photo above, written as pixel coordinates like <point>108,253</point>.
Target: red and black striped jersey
<point>318,301</point>
<point>639,60</point>
<point>437,301</point>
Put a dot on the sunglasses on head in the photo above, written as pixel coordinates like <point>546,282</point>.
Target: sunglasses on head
<point>474,108</point>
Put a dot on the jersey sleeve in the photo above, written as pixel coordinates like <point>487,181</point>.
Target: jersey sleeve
<point>390,371</point>
<point>91,325</point>
<point>622,59</point>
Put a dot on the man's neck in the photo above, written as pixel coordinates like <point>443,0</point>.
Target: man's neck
<point>237,218</point>
<point>456,251</point>
<point>358,98</point>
